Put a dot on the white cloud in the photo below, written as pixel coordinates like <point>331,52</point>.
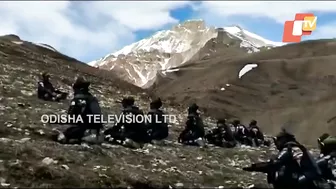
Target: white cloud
<point>280,11</point>
<point>79,28</point>
<point>222,13</point>
<point>139,15</point>
<point>90,29</point>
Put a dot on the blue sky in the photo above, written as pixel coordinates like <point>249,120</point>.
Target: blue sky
<point>90,30</point>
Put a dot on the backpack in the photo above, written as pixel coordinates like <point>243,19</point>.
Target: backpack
<point>306,161</point>
<point>80,106</point>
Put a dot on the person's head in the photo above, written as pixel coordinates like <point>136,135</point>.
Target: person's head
<point>321,143</point>
<point>282,138</point>
<point>45,76</point>
<point>253,123</point>
<point>192,108</point>
<point>127,102</point>
<point>156,104</point>
<point>81,84</point>
<point>221,122</point>
<point>236,122</point>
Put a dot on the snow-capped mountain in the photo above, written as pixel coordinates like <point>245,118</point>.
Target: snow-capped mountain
<point>140,62</point>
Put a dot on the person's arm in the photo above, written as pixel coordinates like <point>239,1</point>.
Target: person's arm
<point>40,86</point>
<point>200,127</point>
<point>43,88</point>
<point>186,129</point>
<point>71,107</point>
<point>285,155</point>
<point>51,87</point>
<point>260,134</point>
<point>95,107</point>
<point>189,125</point>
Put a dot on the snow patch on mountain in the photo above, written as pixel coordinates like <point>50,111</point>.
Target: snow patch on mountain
<point>140,62</point>
<point>245,69</point>
<point>45,46</point>
<point>37,44</point>
<point>164,72</point>
<point>250,40</point>
<point>17,42</point>
<point>93,63</point>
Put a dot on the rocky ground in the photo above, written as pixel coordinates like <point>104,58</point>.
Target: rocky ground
<point>28,158</point>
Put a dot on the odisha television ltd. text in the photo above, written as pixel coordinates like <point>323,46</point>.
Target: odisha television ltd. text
<point>105,119</point>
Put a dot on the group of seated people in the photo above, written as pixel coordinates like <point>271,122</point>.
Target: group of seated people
<point>83,103</point>
<point>224,134</point>
<point>229,135</point>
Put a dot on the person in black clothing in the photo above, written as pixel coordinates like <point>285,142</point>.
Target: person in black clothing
<point>46,90</point>
<point>221,135</point>
<point>326,160</point>
<point>297,168</point>
<point>241,133</point>
<point>82,104</point>
<point>158,126</point>
<point>194,131</point>
<point>134,134</point>
<point>292,168</point>
<point>256,135</point>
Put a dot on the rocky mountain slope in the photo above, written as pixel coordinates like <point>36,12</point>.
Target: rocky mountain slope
<point>141,62</point>
<point>290,86</point>
<point>29,159</point>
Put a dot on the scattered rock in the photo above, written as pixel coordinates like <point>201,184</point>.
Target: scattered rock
<point>48,161</point>
<point>96,167</point>
<point>107,145</point>
<point>16,162</point>
<point>220,187</point>
<point>65,167</point>
<point>40,132</point>
<point>5,184</point>
<point>103,175</point>
<point>22,105</point>
<point>146,151</point>
<point>23,140</point>
<point>179,185</point>
<point>27,93</point>
<point>251,186</point>
<point>86,146</point>
<point>5,140</point>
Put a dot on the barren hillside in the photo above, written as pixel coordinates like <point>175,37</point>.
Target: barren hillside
<point>292,86</point>
<point>29,159</point>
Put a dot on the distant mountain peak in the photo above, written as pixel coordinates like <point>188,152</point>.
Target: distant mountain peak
<point>191,24</point>
<point>140,62</point>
